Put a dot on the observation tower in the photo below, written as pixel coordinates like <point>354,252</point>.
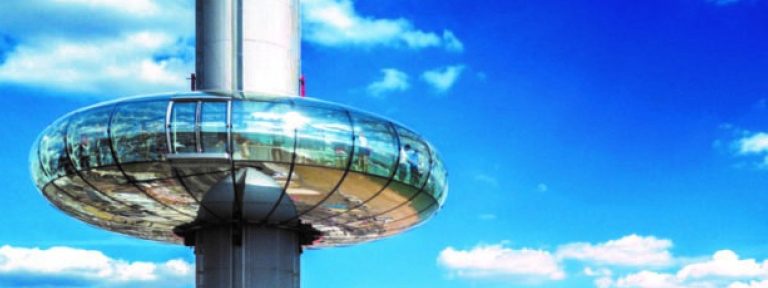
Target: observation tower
<point>243,169</point>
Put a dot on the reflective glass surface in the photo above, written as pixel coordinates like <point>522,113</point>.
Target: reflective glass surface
<point>143,166</point>
<point>213,126</point>
<point>88,139</point>
<point>183,132</point>
<point>53,153</point>
<point>139,139</point>
<point>414,158</point>
<point>375,146</point>
<point>263,131</point>
<point>323,151</point>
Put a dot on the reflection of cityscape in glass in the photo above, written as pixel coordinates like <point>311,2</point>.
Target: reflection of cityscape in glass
<point>353,176</point>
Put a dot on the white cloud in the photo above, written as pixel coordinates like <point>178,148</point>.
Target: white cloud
<point>145,48</point>
<point>754,144</point>
<point>442,79</point>
<point>603,282</point>
<point>589,271</point>
<point>721,270</point>
<point>451,42</point>
<point>337,23</point>
<point>648,279</point>
<point>148,46</point>
<point>632,250</point>
<point>751,144</point>
<point>496,261</point>
<point>751,284</point>
<point>139,7</point>
<point>392,80</point>
<point>640,262</point>
<point>124,65</point>
<point>64,266</point>
<point>725,263</point>
<point>487,179</point>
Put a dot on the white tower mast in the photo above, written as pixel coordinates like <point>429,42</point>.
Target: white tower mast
<point>248,45</point>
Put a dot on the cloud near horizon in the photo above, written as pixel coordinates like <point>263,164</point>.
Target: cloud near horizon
<point>73,267</point>
<point>630,261</point>
<point>491,261</point>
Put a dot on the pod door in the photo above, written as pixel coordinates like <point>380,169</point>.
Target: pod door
<point>198,129</point>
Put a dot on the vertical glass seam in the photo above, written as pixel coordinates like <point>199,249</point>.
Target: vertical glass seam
<point>290,170</point>
<point>343,176</point>
<point>198,126</point>
<point>168,114</point>
<point>77,171</point>
<point>389,180</point>
<point>120,166</point>
<point>421,190</point>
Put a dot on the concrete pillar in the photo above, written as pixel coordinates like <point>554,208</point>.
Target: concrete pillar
<point>248,45</point>
<point>250,256</point>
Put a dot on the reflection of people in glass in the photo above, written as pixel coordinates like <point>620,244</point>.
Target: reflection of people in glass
<point>83,153</point>
<point>413,165</point>
<point>364,154</point>
<point>102,147</point>
<point>221,143</point>
<point>402,170</point>
<point>277,151</point>
<point>245,146</point>
<point>341,154</point>
<point>63,164</point>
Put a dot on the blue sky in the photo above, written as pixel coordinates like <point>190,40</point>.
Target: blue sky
<point>589,143</point>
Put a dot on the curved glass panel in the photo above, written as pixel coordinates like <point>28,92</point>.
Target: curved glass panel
<point>393,196</point>
<point>213,127</point>
<point>139,139</point>
<point>99,218</point>
<point>35,166</point>
<point>439,179</point>
<point>414,159</point>
<point>140,201</point>
<point>83,193</point>
<point>261,131</point>
<point>353,192</point>
<point>324,146</point>
<point>419,203</point>
<point>429,211</point>
<point>53,153</point>
<point>375,146</point>
<point>310,185</point>
<point>170,192</point>
<point>88,140</point>
<point>183,134</point>
<point>324,136</point>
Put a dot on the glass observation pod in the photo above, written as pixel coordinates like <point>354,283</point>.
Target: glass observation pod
<point>142,166</point>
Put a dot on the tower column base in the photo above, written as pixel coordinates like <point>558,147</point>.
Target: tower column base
<point>234,256</point>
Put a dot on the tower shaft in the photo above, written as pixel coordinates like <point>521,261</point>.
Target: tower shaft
<point>248,45</point>
<point>247,256</point>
